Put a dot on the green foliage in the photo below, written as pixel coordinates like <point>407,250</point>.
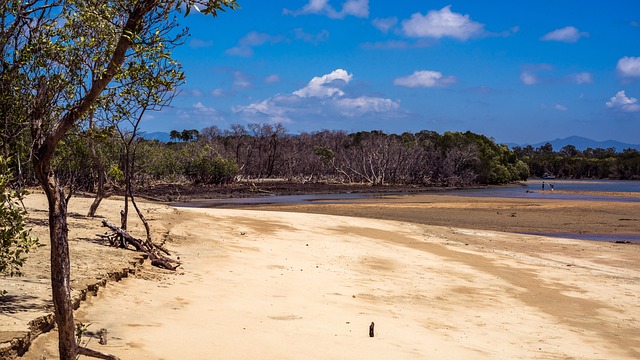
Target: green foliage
<point>72,162</point>
<point>325,154</point>
<point>81,329</point>
<point>160,161</point>
<point>207,167</point>
<point>591,163</point>
<point>115,173</point>
<point>184,135</point>
<point>522,170</point>
<point>15,238</point>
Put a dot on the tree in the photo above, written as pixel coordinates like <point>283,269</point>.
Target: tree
<point>148,86</point>
<point>67,53</point>
<point>184,135</point>
<point>15,240</point>
<point>95,136</point>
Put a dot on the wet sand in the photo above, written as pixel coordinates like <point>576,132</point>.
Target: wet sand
<point>548,216</point>
<point>440,283</point>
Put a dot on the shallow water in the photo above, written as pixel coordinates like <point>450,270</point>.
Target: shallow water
<point>533,189</point>
<point>530,189</point>
<point>619,238</point>
<point>282,199</point>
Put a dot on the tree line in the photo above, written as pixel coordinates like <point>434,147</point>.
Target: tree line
<point>571,163</point>
<point>425,158</point>
<point>263,151</point>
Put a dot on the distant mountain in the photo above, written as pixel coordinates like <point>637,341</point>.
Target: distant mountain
<point>158,135</point>
<point>582,143</point>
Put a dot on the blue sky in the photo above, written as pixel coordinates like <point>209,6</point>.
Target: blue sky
<point>517,71</point>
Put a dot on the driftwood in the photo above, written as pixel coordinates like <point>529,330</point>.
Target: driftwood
<point>121,238</point>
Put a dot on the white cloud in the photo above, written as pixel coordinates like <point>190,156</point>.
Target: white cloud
<point>241,80</point>
<point>560,107</point>
<point>246,45</point>
<point>198,43</point>
<point>248,42</point>
<point>323,98</point>
<point>326,85</point>
<point>272,79</point>
<point>218,92</point>
<point>424,78</point>
<point>357,8</point>
<point>311,38</point>
<point>533,74</point>
<point>362,105</point>
<point>528,78</point>
<point>442,23</point>
<point>385,24</point>
<point>581,78</point>
<point>569,34</point>
<point>275,110</point>
<point>397,44</point>
<point>201,108</point>
<point>623,103</point>
<point>198,115</point>
<point>629,66</point>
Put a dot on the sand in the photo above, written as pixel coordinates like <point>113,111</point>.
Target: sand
<point>285,285</point>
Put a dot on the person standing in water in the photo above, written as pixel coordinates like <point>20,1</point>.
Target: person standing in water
<point>543,185</point>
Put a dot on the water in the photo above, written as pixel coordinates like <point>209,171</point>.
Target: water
<point>617,238</point>
<point>282,199</point>
<point>531,189</point>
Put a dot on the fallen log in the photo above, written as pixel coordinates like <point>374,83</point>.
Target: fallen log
<point>124,238</point>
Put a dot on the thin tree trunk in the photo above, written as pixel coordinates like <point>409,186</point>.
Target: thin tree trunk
<point>143,219</point>
<point>101,175</point>
<point>127,189</point>
<point>99,192</point>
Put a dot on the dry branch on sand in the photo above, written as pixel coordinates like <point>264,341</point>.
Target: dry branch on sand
<point>121,238</point>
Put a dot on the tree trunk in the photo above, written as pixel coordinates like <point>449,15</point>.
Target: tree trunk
<point>143,219</point>
<point>101,175</point>
<point>60,261</point>
<point>130,166</point>
<point>99,193</point>
<point>127,188</point>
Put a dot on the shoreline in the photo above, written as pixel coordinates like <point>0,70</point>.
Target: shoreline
<point>234,260</point>
<point>174,193</point>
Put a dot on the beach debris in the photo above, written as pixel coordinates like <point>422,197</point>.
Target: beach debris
<point>371,333</point>
<point>121,238</point>
<point>254,188</point>
<point>103,336</point>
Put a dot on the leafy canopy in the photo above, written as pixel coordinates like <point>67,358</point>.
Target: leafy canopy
<point>15,239</point>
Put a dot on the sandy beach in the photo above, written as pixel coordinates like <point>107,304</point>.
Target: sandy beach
<point>442,278</point>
